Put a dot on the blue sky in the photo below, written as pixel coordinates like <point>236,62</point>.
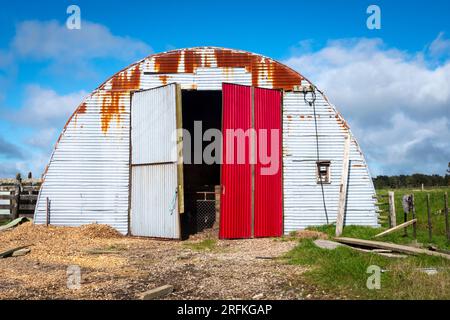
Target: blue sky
<point>392,84</point>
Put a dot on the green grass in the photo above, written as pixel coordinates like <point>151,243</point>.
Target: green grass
<point>204,245</point>
<point>343,272</point>
<point>439,238</point>
<point>437,215</point>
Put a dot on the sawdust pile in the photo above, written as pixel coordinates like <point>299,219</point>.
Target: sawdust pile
<point>310,234</point>
<point>30,234</point>
<point>63,245</point>
<point>117,267</point>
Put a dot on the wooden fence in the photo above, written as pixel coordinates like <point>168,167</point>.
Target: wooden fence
<point>22,196</point>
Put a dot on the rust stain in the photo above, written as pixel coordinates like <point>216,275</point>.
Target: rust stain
<point>121,85</point>
<point>302,117</point>
<point>82,108</point>
<point>289,117</point>
<point>164,79</point>
<point>358,166</point>
<point>341,122</point>
<point>167,62</point>
<point>281,76</point>
<point>192,60</point>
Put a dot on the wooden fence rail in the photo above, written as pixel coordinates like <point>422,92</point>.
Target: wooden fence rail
<point>21,194</point>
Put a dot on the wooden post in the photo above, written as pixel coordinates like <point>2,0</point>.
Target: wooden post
<point>343,187</point>
<point>16,201</point>
<point>413,210</point>
<point>430,234</point>
<point>217,192</point>
<point>47,222</point>
<point>392,215</point>
<point>447,228</point>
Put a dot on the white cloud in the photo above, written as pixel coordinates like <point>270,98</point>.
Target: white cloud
<point>440,47</point>
<point>51,40</point>
<point>397,105</point>
<point>44,112</point>
<point>44,108</point>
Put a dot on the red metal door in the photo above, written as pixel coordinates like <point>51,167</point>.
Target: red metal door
<point>236,199</point>
<point>268,215</point>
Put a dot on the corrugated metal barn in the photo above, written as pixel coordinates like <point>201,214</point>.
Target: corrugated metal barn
<point>119,159</point>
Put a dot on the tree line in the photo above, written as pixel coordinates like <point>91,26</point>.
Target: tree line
<point>411,181</point>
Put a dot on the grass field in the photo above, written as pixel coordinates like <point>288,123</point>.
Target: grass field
<point>343,271</point>
<point>437,215</point>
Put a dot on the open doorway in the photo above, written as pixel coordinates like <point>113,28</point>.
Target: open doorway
<point>200,178</point>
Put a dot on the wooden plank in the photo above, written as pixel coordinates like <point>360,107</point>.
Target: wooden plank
<point>5,207</point>
<point>157,293</point>
<point>7,188</point>
<point>8,253</point>
<point>447,227</point>
<point>28,197</point>
<point>14,223</point>
<point>179,125</point>
<point>396,228</point>
<point>31,188</point>
<point>430,227</point>
<point>15,203</point>
<point>390,246</point>
<point>413,210</point>
<point>27,207</point>
<point>392,215</point>
<point>343,187</point>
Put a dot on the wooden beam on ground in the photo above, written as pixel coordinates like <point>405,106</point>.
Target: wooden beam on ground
<point>157,293</point>
<point>9,253</point>
<point>390,246</point>
<point>343,187</point>
<point>396,228</point>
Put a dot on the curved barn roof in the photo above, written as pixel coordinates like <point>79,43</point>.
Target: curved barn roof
<point>172,65</point>
<point>194,68</point>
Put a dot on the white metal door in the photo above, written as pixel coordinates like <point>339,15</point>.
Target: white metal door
<point>156,172</point>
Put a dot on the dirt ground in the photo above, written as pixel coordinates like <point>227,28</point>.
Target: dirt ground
<point>118,267</point>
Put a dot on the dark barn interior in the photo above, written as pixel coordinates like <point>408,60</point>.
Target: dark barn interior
<point>200,179</point>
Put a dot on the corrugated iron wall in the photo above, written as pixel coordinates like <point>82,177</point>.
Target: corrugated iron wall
<point>155,202</point>
<point>87,178</point>
<point>303,204</point>
<point>154,197</point>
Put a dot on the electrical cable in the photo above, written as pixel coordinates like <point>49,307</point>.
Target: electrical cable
<point>312,103</point>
